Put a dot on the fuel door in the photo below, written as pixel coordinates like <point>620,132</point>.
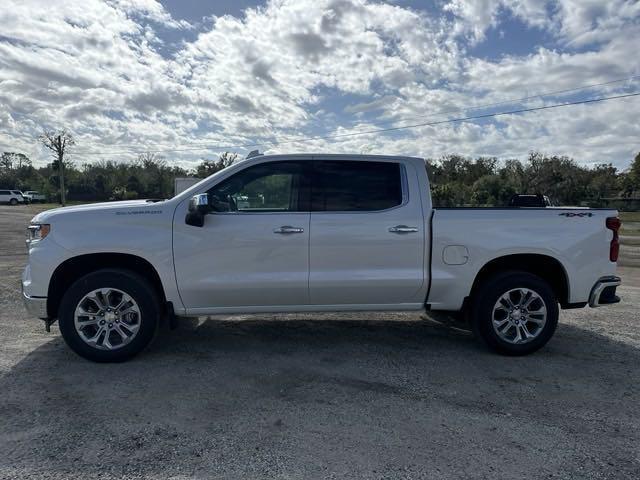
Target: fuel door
<point>455,255</point>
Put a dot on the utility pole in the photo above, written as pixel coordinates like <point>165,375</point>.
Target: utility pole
<point>60,150</point>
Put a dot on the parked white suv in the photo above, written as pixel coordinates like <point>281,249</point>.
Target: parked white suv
<point>12,197</point>
<point>295,233</point>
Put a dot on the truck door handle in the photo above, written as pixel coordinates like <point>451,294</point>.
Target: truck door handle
<point>402,229</point>
<point>285,229</point>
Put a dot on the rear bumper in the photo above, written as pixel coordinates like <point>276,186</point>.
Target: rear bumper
<point>604,291</point>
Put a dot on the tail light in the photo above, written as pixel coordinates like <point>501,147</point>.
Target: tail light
<point>613,224</point>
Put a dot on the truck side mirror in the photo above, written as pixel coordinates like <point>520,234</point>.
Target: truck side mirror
<point>199,206</point>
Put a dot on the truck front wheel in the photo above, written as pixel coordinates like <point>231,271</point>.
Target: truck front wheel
<point>515,313</point>
<point>109,315</point>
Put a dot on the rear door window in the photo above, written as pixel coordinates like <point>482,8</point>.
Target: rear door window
<point>355,186</point>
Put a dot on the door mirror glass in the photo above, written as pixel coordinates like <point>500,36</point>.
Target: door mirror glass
<point>199,206</point>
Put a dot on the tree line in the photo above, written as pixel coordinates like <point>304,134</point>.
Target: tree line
<point>456,180</point>
<point>149,176</point>
<point>484,181</point>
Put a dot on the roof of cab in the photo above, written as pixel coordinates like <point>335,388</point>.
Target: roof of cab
<point>332,156</point>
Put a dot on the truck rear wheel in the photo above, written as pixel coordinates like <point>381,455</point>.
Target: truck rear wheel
<point>109,315</point>
<point>515,313</point>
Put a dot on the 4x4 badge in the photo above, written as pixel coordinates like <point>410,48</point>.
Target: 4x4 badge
<point>572,214</point>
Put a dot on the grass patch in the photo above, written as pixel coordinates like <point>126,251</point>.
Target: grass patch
<point>630,223</point>
<point>630,216</point>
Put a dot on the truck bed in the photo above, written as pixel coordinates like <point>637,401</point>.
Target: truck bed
<point>466,239</point>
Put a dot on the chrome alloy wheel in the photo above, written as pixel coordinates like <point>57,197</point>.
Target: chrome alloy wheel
<point>107,318</point>
<point>519,315</point>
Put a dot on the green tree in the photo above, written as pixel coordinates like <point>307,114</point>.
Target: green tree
<point>209,167</point>
<point>634,175</point>
<point>492,190</point>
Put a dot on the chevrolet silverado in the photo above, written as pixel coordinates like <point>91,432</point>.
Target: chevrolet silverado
<point>299,233</point>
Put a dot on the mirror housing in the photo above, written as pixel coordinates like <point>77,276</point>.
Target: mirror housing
<point>199,206</point>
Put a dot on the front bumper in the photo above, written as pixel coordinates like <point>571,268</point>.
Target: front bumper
<point>34,298</point>
<point>604,291</point>
<point>36,306</point>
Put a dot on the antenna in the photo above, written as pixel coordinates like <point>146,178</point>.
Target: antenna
<point>253,153</point>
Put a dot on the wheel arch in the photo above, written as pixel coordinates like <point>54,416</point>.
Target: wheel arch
<point>73,268</point>
<point>544,266</point>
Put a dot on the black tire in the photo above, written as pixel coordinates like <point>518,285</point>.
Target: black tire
<point>485,298</point>
<point>13,201</point>
<point>137,287</point>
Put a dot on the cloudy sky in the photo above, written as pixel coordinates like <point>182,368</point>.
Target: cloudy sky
<point>192,78</point>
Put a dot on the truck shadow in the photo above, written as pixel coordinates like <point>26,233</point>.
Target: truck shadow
<point>244,388</point>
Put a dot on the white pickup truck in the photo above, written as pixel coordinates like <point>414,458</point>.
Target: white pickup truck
<point>299,233</point>
<point>31,196</point>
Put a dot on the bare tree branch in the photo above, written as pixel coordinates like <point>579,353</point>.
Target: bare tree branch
<point>58,142</point>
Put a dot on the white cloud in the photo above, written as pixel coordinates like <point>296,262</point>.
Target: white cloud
<point>549,70</point>
<point>582,22</point>
<point>150,10</point>
<point>476,16</point>
<point>576,22</point>
<point>288,50</point>
<point>303,67</point>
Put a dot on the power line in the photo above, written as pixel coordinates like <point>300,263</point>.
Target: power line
<point>510,101</point>
<point>368,132</point>
<point>447,112</point>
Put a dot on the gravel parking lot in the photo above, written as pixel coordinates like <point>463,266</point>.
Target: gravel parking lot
<point>319,396</point>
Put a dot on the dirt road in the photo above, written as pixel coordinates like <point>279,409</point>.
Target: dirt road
<point>319,396</point>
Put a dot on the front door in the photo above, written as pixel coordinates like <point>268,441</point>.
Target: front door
<point>254,250</point>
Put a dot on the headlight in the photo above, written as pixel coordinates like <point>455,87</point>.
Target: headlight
<point>37,232</point>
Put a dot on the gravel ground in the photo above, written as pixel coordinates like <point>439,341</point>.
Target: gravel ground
<point>319,396</point>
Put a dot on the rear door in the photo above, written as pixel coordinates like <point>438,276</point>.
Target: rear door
<point>367,234</point>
